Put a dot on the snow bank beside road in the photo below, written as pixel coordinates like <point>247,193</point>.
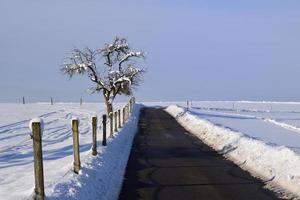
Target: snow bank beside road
<point>277,165</point>
<point>101,176</point>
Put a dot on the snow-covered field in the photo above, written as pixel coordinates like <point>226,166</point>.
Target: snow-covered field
<point>274,123</point>
<point>262,137</point>
<point>16,159</point>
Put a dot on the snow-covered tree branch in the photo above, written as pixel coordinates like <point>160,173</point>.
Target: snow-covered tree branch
<point>117,74</point>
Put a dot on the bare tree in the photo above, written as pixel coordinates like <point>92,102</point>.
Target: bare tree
<point>112,69</point>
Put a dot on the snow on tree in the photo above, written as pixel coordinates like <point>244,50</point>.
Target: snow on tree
<point>112,69</point>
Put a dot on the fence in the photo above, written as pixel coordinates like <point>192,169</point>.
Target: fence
<point>115,124</point>
<point>24,101</point>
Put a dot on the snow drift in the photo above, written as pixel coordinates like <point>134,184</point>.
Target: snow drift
<point>101,176</point>
<point>278,166</point>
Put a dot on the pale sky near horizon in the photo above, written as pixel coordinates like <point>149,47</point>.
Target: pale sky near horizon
<point>197,50</point>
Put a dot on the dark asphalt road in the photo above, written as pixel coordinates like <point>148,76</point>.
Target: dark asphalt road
<point>168,163</point>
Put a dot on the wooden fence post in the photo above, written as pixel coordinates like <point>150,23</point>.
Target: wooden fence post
<point>104,130</point>
<point>76,151</point>
<point>119,118</point>
<point>81,101</point>
<point>94,125</point>
<point>187,105</point>
<point>23,100</point>
<point>39,192</point>
<point>123,114</point>
<point>133,102</point>
<point>51,101</point>
<point>129,106</point>
<point>127,112</point>
<point>116,121</point>
<point>111,122</point>
<point>125,109</point>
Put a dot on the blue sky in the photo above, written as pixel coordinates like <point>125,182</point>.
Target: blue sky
<point>198,50</point>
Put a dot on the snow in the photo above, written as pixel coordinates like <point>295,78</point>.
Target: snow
<point>251,137</point>
<point>261,137</point>
<point>131,54</point>
<point>37,120</point>
<point>100,175</point>
<point>75,119</point>
<point>278,126</point>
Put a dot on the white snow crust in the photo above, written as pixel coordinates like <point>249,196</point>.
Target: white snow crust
<point>101,176</point>
<point>36,120</point>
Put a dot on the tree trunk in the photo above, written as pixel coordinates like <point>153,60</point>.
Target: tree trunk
<point>109,110</point>
<point>108,102</point>
<point>109,107</point>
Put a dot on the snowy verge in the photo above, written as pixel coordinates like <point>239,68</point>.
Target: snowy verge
<point>101,176</point>
<point>276,165</point>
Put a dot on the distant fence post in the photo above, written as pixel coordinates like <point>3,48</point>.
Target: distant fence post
<point>51,101</point>
<point>119,118</point>
<point>81,101</point>
<point>123,114</point>
<point>104,130</point>
<point>39,192</point>
<point>111,122</point>
<point>187,105</point>
<point>116,121</point>
<point>94,124</point>
<point>132,103</point>
<point>23,100</point>
<point>129,106</point>
<point>127,112</point>
<point>125,109</point>
<point>76,151</point>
